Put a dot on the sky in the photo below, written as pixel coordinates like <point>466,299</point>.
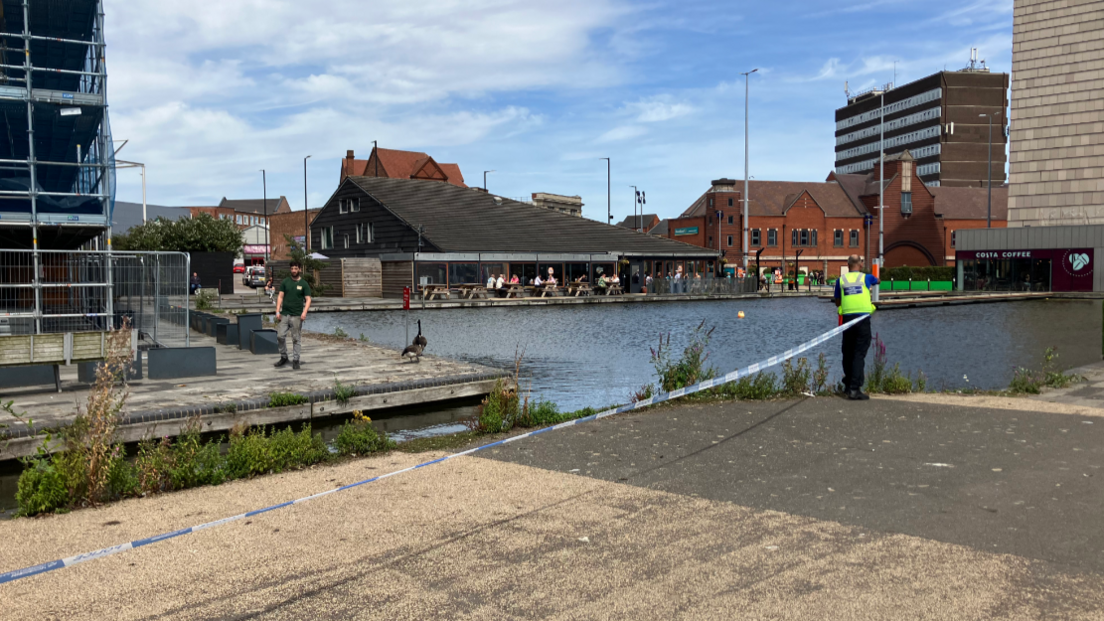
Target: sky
<point>209,93</point>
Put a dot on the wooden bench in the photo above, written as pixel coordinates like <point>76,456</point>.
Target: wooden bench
<point>513,291</point>
<point>57,349</point>
<point>614,290</point>
<point>435,292</point>
<point>578,289</point>
<point>472,291</point>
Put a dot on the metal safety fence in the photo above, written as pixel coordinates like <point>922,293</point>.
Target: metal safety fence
<point>703,285</point>
<point>57,291</point>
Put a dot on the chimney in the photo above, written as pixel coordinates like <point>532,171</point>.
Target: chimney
<point>349,154</point>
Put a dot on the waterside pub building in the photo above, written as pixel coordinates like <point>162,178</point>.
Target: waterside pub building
<point>430,232</point>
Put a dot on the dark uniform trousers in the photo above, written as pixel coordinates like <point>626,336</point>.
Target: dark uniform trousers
<point>856,341</point>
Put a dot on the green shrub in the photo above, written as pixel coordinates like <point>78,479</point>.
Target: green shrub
<point>343,392</point>
<point>795,377</point>
<point>1033,382</point>
<point>341,334</point>
<point>919,273</point>
<point>290,450</point>
<point>895,382</point>
<point>820,376</point>
<point>41,488</point>
<point>690,368</point>
<point>358,437</point>
<point>204,298</point>
<point>543,413</point>
<point>500,409</point>
<point>283,399</point>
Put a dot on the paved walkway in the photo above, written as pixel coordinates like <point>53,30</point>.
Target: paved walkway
<point>815,509</point>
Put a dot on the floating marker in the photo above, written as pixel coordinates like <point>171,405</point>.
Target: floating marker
<point>740,314</point>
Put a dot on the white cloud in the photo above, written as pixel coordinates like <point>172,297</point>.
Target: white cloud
<point>623,132</point>
<point>657,109</point>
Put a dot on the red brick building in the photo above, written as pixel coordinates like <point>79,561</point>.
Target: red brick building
<point>397,164</point>
<point>826,221</point>
<point>246,212</point>
<point>289,223</point>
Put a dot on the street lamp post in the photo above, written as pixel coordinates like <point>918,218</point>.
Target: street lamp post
<point>264,195</point>
<point>375,152</point>
<point>485,179</point>
<point>306,209</point>
<point>881,192</point>
<point>744,198</point>
<point>609,211</point>
<point>989,184</point>
<point>636,199</point>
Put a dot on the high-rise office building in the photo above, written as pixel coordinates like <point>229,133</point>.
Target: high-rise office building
<point>937,119</point>
<point>1057,170</point>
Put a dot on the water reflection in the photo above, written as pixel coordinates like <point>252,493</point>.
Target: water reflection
<point>594,355</point>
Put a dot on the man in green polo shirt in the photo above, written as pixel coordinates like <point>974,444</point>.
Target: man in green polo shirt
<point>291,311</point>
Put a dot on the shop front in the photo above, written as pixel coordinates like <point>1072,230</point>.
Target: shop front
<point>1025,270</point>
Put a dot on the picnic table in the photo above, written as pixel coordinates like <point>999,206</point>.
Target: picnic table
<point>613,289</point>
<point>470,291</point>
<point>577,289</point>
<point>544,291</point>
<point>514,290</point>
<point>436,291</point>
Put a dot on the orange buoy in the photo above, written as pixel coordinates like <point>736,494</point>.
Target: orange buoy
<point>740,314</point>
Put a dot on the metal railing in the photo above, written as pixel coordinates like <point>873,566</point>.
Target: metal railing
<point>56,291</point>
<point>706,285</point>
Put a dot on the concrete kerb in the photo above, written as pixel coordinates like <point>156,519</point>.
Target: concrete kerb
<point>251,412</point>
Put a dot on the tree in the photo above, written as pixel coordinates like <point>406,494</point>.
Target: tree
<point>200,234</point>
<point>311,266</point>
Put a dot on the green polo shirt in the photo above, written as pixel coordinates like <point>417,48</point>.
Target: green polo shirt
<point>295,293</point>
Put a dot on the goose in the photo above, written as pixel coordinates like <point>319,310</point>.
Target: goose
<point>418,346</point>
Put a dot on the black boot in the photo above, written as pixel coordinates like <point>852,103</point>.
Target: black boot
<point>295,365</point>
<point>283,360</point>
<point>858,395</point>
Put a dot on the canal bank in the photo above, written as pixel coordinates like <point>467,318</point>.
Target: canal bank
<point>241,392</point>
<point>817,508</point>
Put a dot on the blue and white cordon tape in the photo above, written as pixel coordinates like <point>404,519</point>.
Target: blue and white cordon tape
<point>675,394</point>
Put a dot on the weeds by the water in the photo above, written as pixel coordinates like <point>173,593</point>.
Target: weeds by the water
<point>283,399</point>
<point>358,437</point>
<point>1048,376</point>
<point>343,392</point>
<point>690,367</point>
<point>341,334</point>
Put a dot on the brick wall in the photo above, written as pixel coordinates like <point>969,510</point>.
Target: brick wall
<point>286,224</point>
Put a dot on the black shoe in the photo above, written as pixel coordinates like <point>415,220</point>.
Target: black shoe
<point>281,362</point>
<point>858,395</point>
<point>295,366</point>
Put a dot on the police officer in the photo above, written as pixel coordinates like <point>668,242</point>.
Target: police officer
<point>852,296</point>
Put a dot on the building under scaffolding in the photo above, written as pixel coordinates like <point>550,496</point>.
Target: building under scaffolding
<point>57,171</point>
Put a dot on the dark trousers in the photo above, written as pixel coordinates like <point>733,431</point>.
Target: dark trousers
<point>856,341</point>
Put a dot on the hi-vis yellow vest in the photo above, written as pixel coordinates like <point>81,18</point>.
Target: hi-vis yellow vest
<point>854,294</point>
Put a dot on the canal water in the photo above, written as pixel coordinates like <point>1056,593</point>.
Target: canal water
<point>598,354</point>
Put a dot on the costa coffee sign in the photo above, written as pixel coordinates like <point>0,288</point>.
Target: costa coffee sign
<point>1070,269</point>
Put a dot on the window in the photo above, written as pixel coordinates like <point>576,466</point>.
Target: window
<point>346,242</point>
<point>803,237</point>
<point>772,237</point>
<point>953,239</point>
<point>710,201</point>
<point>730,240</point>
<point>794,237</point>
<point>342,206</point>
<point>837,238</point>
<point>906,203</point>
<point>354,205</point>
<point>854,238</point>
<point>327,238</point>
<point>730,217</point>
<point>711,241</point>
<point>755,238</point>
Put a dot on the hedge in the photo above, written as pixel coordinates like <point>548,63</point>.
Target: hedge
<point>919,273</point>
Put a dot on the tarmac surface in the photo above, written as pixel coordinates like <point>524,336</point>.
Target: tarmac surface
<point>819,508</point>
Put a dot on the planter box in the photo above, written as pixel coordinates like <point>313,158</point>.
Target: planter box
<point>263,342</point>
<point>179,362</point>
<point>86,371</point>
<point>246,324</point>
<point>227,334</point>
<point>213,323</point>
<point>18,377</point>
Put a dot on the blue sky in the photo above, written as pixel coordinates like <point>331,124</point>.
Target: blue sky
<point>210,92</point>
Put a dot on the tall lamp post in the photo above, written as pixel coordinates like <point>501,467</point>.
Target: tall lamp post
<point>636,199</point>
<point>306,209</point>
<point>264,194</point>
<point>881,192</point>
<point>744,198</point>
<point>375,151</point>
<point>485,179</point>
<point>609,211</point>
<point>989,184</point>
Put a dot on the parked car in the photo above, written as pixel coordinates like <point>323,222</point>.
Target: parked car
<point>255,276</point>
<point>239,268</point>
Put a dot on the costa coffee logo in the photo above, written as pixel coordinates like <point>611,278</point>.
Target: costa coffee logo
<point>1077,263</point>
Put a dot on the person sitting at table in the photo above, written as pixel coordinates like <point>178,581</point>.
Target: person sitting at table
<point>537,281</point>
<point>514,279</point>
<point>500,281</point>
<point>602,284</point>
<point>615,280</point>
<point>490,281</point>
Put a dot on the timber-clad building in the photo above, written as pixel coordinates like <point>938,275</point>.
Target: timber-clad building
<point>429,232</point>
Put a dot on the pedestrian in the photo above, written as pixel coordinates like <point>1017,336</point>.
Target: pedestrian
<point>195,282</point>
<point>852,296</point>
<point>295,301</point>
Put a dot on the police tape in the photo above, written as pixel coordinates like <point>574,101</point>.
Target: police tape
<point>674,394</point>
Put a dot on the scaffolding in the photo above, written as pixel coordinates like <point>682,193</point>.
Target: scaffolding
<point>57,169</point>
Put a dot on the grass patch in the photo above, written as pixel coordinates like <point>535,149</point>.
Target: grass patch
<point>1032,382</point>
<point>343,392</point>
<point>284,399</point>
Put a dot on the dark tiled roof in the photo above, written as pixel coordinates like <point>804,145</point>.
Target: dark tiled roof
<point>647,220</point>
<point>969,203</point>
<point>252,205</point>
<point>661,229</point>
<point>773,198</point>
<point>462,220</point>
<point>128,215</point>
